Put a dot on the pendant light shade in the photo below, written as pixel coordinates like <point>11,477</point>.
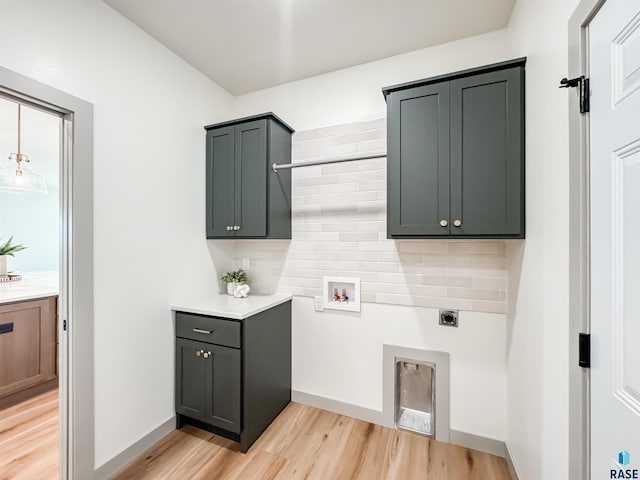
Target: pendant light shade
<point>17,175</point>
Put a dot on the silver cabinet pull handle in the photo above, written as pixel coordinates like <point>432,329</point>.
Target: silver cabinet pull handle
<point>199,352</point>
<point>229,228</point>
<point>457,223</point>
<point>200,330</point>
<point>236,228</point>
<point>443,223</point>
<point>207,354</point>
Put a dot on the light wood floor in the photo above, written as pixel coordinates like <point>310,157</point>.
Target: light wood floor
<point>308,443</point>
<point>29,439</point>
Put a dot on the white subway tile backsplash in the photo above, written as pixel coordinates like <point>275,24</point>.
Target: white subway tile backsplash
<point>448,281</point>
<point>472,293</point>
<point>337,130</point>
<point>372,146</point>
<point>339,228</point>
<point>358,236</point>
<point>396,299</point>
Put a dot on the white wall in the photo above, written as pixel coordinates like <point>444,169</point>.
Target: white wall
<point>538,277</point>
<point>32,220</point>
<point>149,201</point>
<point>338,355</point>
<point>354,95</point>
<point>150,107</point>
<point>339,228</point>
<point>338,221</point>
<point>538,395</point>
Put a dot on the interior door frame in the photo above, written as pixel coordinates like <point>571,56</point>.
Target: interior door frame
<point>77,457</point>
<point>579,243</point>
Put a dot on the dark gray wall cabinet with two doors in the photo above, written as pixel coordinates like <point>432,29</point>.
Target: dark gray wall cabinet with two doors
<point>233,377</point>
<point>455,153</point>
<point>245,198</point>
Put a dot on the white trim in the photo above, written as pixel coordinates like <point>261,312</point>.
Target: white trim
<point>476,442</point>
<point>463,439</point>
<point>336,406</point>
<point>133,451</point>
<point>76,286</point>
<point>579,319</point>
<point>510,465</point>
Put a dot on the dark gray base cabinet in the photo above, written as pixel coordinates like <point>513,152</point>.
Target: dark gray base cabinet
<point>245,197</point>
<point>233,377</point>
<point>456,155</point>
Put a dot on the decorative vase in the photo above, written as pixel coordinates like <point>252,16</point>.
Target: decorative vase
<point>3,265</point>
<point>231,287</point>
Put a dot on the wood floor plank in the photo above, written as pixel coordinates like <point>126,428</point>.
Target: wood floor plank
<point>366,452</point>
<point>309,443</point>
<point>29,439</point>
<point>302,443</point>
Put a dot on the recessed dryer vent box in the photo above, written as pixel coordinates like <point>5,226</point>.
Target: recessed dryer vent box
<point>341,293</point>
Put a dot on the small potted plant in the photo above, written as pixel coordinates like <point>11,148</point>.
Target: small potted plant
<point>233,279</point>
<point>8,249</point>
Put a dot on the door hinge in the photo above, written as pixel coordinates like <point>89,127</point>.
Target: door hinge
<point>64,325</point>
<point>584,350</point>
<point>583,90</point>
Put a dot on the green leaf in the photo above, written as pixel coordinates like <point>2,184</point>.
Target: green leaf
<point>9,248</point>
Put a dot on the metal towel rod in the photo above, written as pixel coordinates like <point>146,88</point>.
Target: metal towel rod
<point>287,166</point>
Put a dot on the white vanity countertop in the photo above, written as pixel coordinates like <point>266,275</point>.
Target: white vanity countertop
<point>33,285</point>
<point>219,305</point>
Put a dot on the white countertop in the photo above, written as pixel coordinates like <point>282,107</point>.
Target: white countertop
<point>33,285</point>
<point>219,305</point>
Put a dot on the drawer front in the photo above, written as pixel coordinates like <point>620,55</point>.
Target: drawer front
<point>208,329</point>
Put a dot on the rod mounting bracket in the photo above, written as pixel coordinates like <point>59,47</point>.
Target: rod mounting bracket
<point>583,89</point>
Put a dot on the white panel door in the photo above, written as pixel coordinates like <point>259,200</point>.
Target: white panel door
<point>614,57</point>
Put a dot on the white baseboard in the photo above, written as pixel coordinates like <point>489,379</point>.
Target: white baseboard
<point>512,468</point>
<point>475,442</point>
<point>133,451</point>
<point>468,440</point>
<point>336,406</point>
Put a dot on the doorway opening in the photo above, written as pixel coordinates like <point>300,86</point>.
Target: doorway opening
<point>74,308</point>
<point>30,248</point>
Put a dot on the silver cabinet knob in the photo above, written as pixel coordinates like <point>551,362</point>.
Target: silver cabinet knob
<point>199,352</point>
<point>207,354</point>
<point>229,228</point>
<point>443,223</point>
<point>457,223</point>
<point>236,228</point>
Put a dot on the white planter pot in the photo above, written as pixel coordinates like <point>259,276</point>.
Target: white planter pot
<point>231,287</point>
<point>3,265</point>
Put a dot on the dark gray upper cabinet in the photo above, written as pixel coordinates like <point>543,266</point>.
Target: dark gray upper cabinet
<point>456,155</point>
<point>245,198</point>
<point>418,160</point>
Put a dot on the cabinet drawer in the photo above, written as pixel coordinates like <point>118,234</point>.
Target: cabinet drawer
<point>208,329</point>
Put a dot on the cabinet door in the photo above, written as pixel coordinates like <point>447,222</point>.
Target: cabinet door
<point>28,346</point>
<point>191,378</point>
<point>487,154</point>
<point>223,387</point>
<point>418,161</point>
<point>220,181</point>
<point>251,179</point>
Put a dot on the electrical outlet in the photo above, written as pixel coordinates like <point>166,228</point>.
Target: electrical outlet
<point>246,264</point>
<point>449,318</point>
<point>318,304</point>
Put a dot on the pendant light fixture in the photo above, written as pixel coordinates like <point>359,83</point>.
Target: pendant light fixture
<point>16,173</point>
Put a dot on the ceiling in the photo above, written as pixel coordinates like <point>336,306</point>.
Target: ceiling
<point>248,45</point>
